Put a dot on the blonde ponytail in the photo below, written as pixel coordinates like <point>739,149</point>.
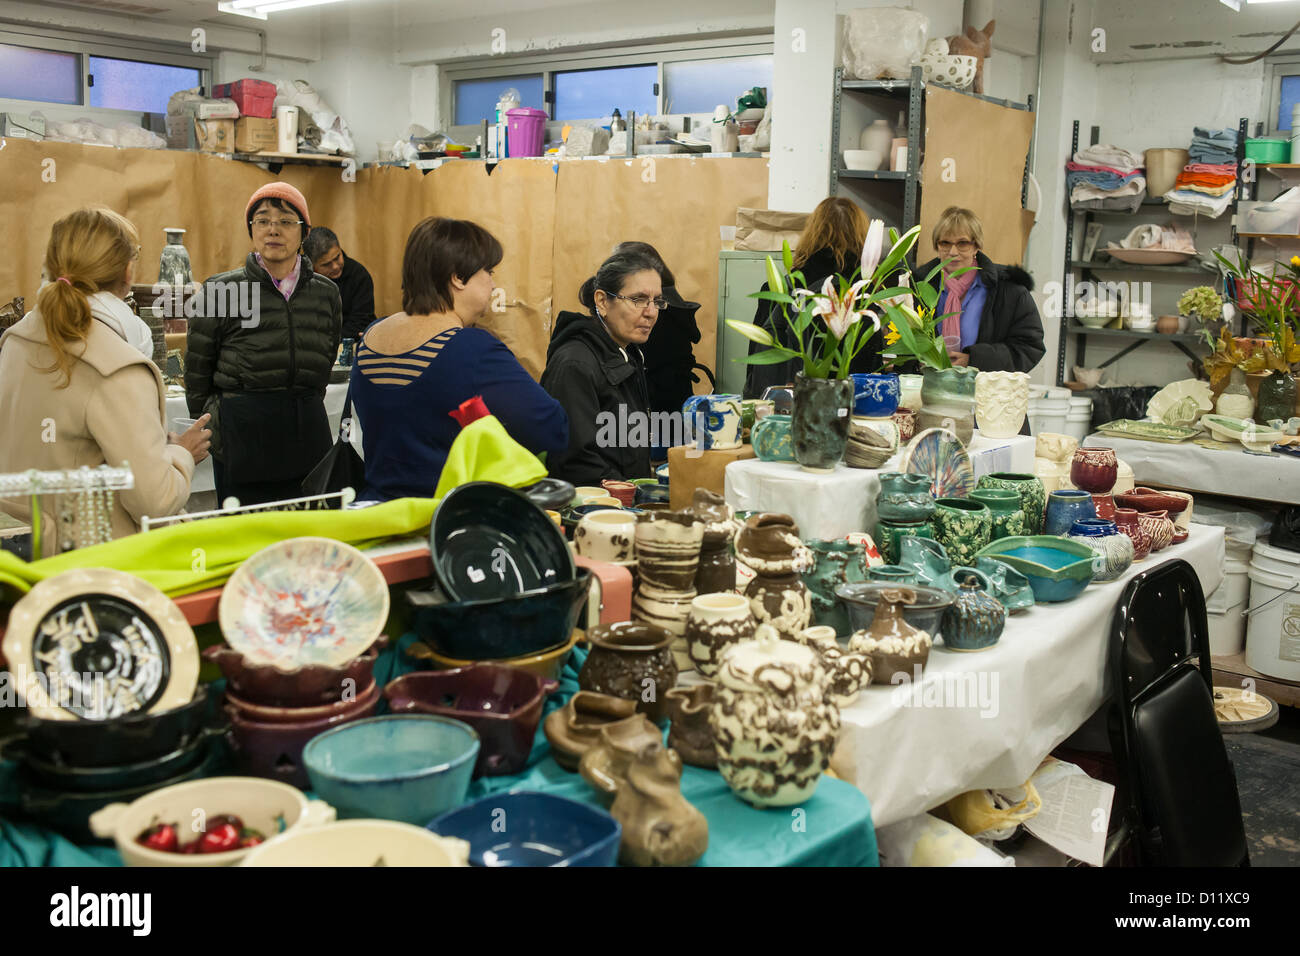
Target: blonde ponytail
<point>88,252</point>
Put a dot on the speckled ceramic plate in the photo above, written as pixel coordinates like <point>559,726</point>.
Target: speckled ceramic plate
<point>304,601</point>
<point>97,644</point>
<point>940,454</point>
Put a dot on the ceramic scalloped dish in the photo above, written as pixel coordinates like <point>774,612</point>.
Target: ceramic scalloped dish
<point>97,644</point>
<point>1181,403</point>
<point>1236,429</point>
<point>304,601</point>
<point>1058,569</point>
<point>939,453</point>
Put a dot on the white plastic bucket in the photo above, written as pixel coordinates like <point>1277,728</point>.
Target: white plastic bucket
<point>1078,418</point>
<point>1226,610</point>
<point>1273,631</point>
<point>1048,415</point>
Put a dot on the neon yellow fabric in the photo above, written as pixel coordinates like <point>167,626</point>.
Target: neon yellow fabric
<point>188,557</point>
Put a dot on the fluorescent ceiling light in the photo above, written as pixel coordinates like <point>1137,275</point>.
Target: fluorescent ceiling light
<point>258,9</point>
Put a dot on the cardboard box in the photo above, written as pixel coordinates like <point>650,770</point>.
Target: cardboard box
<point>214,109</point>
<point>22,125</point>
<point>691,469</point>
<point>180,131</point>
<point>254,97</point>
<point>254,134</point>
<point>215,136</point>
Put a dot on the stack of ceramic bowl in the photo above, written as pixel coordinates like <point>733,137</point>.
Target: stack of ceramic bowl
<point>108,669</point>
<point>507,589</point>
<point>301,618</point>
<point>668,547</point>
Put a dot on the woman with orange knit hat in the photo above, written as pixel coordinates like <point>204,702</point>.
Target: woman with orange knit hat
<point>259,357</point>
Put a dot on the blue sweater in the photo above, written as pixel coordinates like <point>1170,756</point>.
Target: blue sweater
<point>403,404</point>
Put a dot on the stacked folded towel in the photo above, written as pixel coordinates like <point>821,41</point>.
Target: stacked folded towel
<point>1207,182</point>
<point>1105,177</point>
<point>1213,146</point>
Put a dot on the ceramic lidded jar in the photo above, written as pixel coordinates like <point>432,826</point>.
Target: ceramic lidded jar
<point>1004,507</point>
<point>777,595</point>
<point>835,562</point>
<point>1115,551</point>
<point>975,620</point>
<point>668,549</point>
<point>773,726</point>
<point>1094,469</point>
<point>894,646</point>
<point>904,498</point>
<point>690,734</point>
<point>819,424</point>
<point>1126,521</point>
<point>633,661</point>
<point>1033,498</point>
<point>717,568</point>
<point>1001,403</point>
<point>716,621</point>
<point>963,526</point>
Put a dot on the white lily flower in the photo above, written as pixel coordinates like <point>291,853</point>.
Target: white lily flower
<point>873,247</point>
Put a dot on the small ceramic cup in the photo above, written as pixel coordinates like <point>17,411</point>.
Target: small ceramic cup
<point>606,536</point>
<point>584,493</point>
<point>624,491</point>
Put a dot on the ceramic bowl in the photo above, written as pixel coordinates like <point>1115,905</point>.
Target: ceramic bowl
<point>550,494</point>
<point>404,767</point>
<point>1058,569</point>
<point>547,664</point>
<point>502,704</point>
<point>309,686</point>
<point>652,494</point>
<point>360,843</point>
<point>304,601</point>
<point>266,714</point>
<point>585,492</point>
<point>1148,499</point>
<point>489,541</point>
<point>926,614</point>
<point>863,159</point>
<point>543,830</point>
<point>519,625</point>
<point>274,751</point>
<point>138,773</point>
<point>109,743</point>
<point>661,472</point>
<point>262,805</point>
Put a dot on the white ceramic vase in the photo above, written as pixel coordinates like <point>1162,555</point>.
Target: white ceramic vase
<point>715,622</point>
<point>878,137</point>
<point>1001,403</point>
<point>910,391</point>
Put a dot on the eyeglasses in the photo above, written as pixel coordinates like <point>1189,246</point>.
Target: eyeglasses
<point>642,301</point>
<point>962,245</point>
<point>281,224</point>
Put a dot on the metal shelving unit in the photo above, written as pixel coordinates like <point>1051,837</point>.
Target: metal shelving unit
<point>1072,265</point>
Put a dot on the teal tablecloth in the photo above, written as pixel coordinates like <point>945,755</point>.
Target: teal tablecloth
<point>833,828</point>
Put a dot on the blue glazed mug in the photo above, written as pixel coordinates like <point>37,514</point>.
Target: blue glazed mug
<point>875,396</point>
<point>771,438</point>
<point>1064,508</point>
<point>715,420</point>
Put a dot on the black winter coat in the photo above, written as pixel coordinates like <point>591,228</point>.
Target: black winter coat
<point>768,315</point>
<point>1011,331</point>
<point>588,375</point>
<point>291,346</point>
<point>358,292</point>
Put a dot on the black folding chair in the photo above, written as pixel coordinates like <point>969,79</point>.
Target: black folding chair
<point>1178,798</point>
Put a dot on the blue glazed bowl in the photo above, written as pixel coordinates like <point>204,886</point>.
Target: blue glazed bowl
<point>408,767</point>
<point>1064,508</point>
<point>649,494</point>
<point>875,396</point>
<point>662,474</point>
<point>542,830</point>
<point>1058,569</point>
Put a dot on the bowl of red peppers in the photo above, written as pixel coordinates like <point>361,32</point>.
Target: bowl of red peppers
<point>212,822</point>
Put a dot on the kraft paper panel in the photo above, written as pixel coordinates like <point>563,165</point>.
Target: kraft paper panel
<point>988,146</point>
<point>555,228</point>
<point>676,203</point>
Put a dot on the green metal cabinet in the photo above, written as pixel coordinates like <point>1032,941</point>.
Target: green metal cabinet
<point>740,275</point>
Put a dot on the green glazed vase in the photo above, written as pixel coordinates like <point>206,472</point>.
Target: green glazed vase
<point>823,409</point>
<point>771,439</point>
<point>890,534</point>
<point>1276,397</point>
<point>1033,499</point>
<point>1004,504</point>
<point>835,562</point>
<point>962,526</point>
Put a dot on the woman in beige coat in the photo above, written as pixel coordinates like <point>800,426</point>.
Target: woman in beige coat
<point>78,388</point>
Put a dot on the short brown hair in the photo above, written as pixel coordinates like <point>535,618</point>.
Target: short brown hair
<point>836,224</point>
<point>438,250</point>
<point>956,219</point>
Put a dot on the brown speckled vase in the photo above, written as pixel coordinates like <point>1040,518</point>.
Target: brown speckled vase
<point>633,661</point>
<point>777,594</point>
<point>894,646</point>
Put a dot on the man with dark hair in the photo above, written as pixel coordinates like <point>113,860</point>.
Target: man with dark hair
<point>354,282</point>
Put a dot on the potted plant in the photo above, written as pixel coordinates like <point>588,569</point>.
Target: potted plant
<point>1205,305</point>
<point>828,328</point>
<point>1272,310</point>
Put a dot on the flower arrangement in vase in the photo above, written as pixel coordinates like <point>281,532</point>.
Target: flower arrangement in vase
<point>1271,304</point>
<point>827,330</point>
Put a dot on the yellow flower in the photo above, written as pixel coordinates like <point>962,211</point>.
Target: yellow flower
<point>891,335</point>
<point>1295,260</point>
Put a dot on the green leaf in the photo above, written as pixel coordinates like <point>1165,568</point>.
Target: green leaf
<point>928,295</point>
<point>754,333</point>
<point>787,256</point>
<point>902,246</point>
<point>773,297</point>
<point>772,357</point>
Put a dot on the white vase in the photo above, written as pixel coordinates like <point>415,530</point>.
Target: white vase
<point>1232,405</point>
<point>878,137</point>
<point>1001,403</point>
<point>715,622</point>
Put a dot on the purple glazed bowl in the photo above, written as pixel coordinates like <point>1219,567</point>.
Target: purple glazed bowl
<point>309,686</point>
<point>503,705</point>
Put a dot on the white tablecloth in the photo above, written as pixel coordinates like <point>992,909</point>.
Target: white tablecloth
<point>911,748</point>
<point>203,480</point>
<point>1195,468</point>
<point>833,505</point>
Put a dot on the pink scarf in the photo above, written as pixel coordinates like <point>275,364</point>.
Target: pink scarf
<point>956,289</point>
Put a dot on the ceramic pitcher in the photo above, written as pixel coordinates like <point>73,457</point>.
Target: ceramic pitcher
<point>714,420</point>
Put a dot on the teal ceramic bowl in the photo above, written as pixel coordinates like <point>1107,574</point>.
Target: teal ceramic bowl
<point>406,767</point>
<point>1058,569</point>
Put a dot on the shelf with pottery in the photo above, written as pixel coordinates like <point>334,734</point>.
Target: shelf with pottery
<point>1078,329</point>
<point>1117,266</point>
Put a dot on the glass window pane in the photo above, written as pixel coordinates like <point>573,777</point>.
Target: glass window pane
<point>476,100</point>
<point>27,74</point>
<point>130,85</point>
<point>592,94</point>
<point>1290,95</point>
<point>697,86</point>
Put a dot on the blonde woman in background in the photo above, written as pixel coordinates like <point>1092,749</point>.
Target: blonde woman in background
<point>79,386</point>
